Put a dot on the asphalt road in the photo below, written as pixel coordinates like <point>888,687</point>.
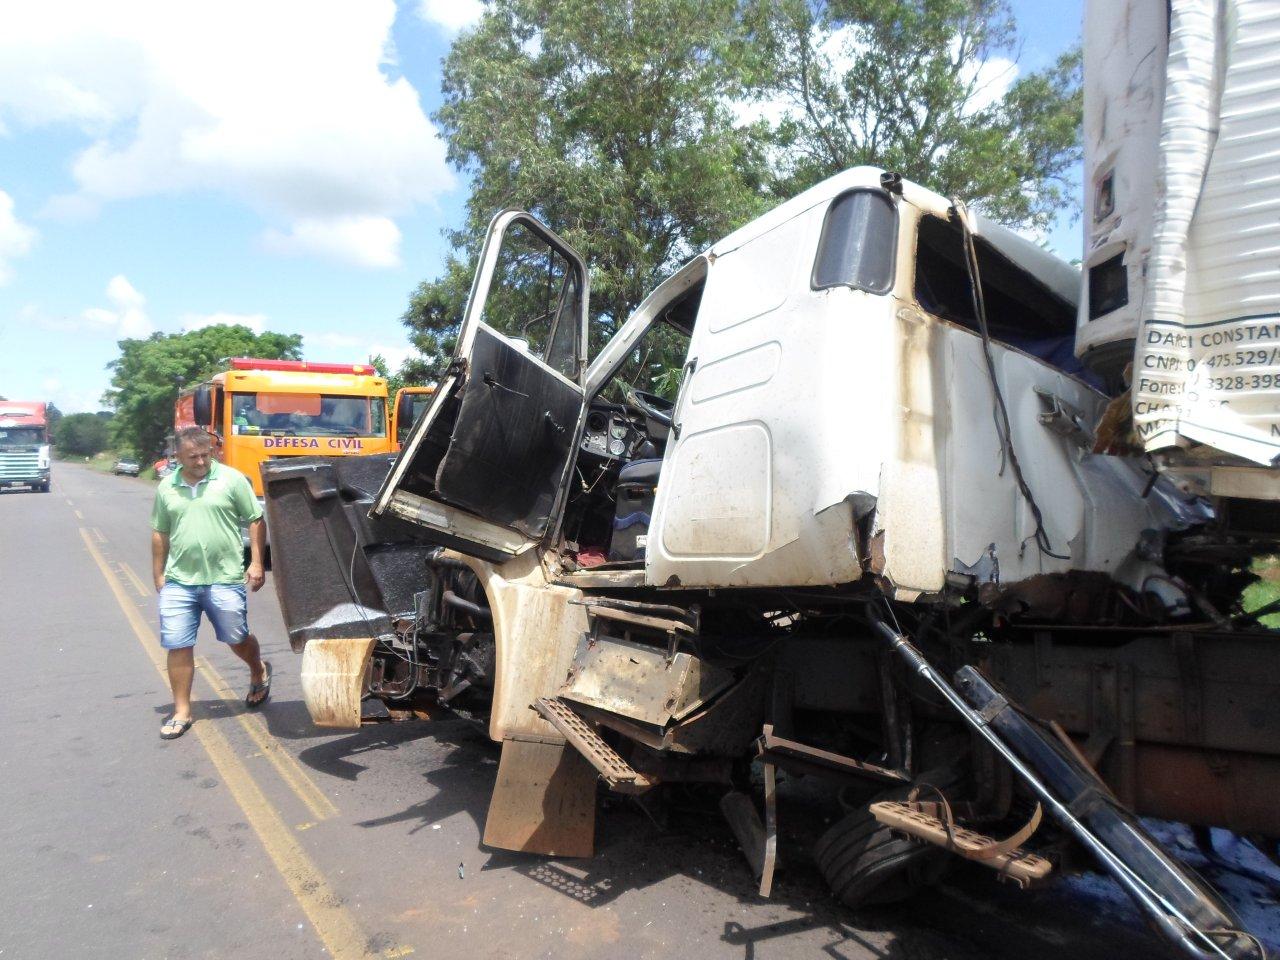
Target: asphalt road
<point>258,835</point>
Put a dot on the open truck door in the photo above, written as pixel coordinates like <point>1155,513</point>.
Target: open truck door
<point>409,402</point>
<point>484,467</point>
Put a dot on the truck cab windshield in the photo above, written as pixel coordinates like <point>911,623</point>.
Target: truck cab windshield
<point>21,436</point>
<point>306,414</point>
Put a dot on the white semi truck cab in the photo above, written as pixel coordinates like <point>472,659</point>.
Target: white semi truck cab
<point>845,453</point>
<point>25,453</point>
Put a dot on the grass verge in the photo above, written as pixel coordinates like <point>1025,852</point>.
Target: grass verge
<point>1264,590</point>
<point>104,461</point>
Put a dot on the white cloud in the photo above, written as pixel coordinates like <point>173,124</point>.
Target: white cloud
<point>394,353</point>
<point>197,321</point>
<point>365,241</point>
<point>16,238</point>
<point>450,15</point>
<point>82,395</point>
<point>344,347</point>
<point>993,79</point>
<point>837,51</point>
<point>286,106</point>
<point>75,399</point>
<point>70,208</point>
<point>329,341</point>
<point>126,317</point>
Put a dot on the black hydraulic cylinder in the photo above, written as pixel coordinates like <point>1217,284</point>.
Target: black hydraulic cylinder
<point>1181,907</point>
<point>1086,797</point>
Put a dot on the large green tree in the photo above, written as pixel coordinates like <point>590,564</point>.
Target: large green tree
<point>612,123</point>
<point>81,434</point>
<point>928,88</point>
<point>149,373</point>
<point>626,126</point>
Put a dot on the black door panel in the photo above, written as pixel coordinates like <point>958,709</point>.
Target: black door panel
<point>512,439</point>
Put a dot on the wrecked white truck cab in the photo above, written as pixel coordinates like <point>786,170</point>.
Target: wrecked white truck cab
<point>682,556</point>
<point>835,414</point>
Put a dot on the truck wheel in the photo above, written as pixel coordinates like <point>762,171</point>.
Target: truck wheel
<point>865,863</point>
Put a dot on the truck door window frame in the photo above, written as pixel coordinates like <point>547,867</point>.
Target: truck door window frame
<point>1020,306</point>
<point>482,283</point>
<point>457,450</point>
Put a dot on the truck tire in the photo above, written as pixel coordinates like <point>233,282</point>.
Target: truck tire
<point>865,863</point>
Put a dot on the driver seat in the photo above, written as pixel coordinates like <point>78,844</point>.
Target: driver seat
<point>633,507</point>
<point>641,472</point>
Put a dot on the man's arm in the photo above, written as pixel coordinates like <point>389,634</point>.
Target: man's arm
<point>255,576</point>
<point>249,511</point>
<point>159,557</point>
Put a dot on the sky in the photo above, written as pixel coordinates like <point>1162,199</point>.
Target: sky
<point>164,166</point>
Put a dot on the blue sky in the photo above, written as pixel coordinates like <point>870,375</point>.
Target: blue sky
<point>164,166</point>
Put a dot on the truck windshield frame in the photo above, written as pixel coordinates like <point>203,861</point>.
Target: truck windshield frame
<point>22,436</point>
<point>859,243</point>
<point>290,414</point>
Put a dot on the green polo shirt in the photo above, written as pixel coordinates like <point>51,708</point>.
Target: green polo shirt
<point>203,525</point>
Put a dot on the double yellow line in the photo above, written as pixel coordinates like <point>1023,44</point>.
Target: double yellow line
<point>320,806</point>
<point>337,929</point>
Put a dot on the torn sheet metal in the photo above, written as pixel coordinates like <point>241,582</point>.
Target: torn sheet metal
<point>1207,360</point>
<point>640,681</point>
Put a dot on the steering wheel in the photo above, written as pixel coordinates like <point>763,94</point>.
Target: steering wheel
<point>650,404</point>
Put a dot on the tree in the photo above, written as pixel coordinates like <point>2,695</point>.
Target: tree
<point>81,434</point>
<point>394,380</point>
<point>52,415</point>
<point>621,126</point>
<point>148,374</point>
<point>918,86</point>
<point>610,122</point>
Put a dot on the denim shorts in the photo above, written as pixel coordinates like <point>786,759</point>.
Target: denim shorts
<point>224,604</point>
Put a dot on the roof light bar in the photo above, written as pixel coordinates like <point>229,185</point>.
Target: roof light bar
<point>254,363</point>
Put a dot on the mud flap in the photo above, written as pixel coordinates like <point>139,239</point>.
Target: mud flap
<point>333,679</point>
<point>544,800</point>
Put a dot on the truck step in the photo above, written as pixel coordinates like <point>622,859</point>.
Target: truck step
<point>1017,865</point>
<point>616,772</point>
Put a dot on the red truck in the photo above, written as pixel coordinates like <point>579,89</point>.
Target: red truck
<point>24,445</point>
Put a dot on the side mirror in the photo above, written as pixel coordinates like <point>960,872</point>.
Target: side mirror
<point>404,414</point>
<point>202,406</point>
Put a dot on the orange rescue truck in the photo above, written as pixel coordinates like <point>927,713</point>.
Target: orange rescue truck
<point>260,410</point>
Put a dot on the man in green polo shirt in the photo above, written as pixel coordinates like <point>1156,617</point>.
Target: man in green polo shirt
<point>197,561</point>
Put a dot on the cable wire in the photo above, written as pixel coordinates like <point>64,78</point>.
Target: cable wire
<point>1003,428</point>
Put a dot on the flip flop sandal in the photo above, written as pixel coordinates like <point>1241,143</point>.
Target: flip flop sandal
<point>263,688</point>
<point>172,729</point>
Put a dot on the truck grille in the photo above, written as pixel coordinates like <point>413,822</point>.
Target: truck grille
<point>18,466</point>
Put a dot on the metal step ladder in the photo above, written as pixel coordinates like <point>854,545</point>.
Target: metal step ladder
<point>616,772</point>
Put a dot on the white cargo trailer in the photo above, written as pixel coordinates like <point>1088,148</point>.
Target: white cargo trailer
<point>1181,293</point>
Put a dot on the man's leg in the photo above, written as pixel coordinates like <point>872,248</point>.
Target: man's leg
<point>248,651</point>
<point>226,605</point>
<point>182,667</point>
<point>179,619</point>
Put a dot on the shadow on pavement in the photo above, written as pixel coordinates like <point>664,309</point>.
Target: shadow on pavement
<point>202,709</point>
<point>462,775</point>
<point>334,755</point>
<point>683,835</point>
